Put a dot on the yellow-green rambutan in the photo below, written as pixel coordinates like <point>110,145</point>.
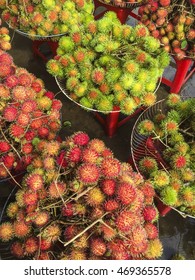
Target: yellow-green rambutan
<point>128,32</point>
<point>117,31</point>
<point>119,96</point>
<point>104,25</point>
<point>137,88</point>
<point>104,104</point>
<point>21,229</point>
<point>148,98</point>
<point>127,80</point>
<point>146,127</point>
<point>20,197</point>
<point>95,197</point>
<point>164,59</point>
<point>154,250</point>
<point>54,68</point>
<point>176,137</point>
<point>12,210</point>
<point>187,195</point>
<point>81,89</point>
<point>173,99</point>
<point>130,66</point>
<point>150,44</point>
<point>169,195</point>
<point>182,148</point>
<point>141,31</point>
<point>86,103</point>
<point>148,165</point>
<point>44,103</point>
<point>66,44</point>
<point>104,88</point>
<point>187,174</point>
<point>6,231</point>
<point>112,75</point>
<point>77,254</point>
<point>161,179</point>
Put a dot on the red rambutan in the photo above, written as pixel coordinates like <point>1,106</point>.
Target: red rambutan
<point>10,113</point>
<point>111,205</point>
<point>88,173</point>
<point>9,160</point>
<point>35,181</point>
<point>24,79</point>
<point>23,119</point>
<point>11,81</point>
<point>43,132</point>
<point>57,189</point>
<point>5,70</point>
<point>41,218</point>
<point>17,249</point>
<point>27,148</point>
<point>21,229</point>
<point>31,245</point>
<point>45,244</point>
<point>73,154</point>
<point>4,146</point>
<point>52,232</point>
<point>126,193</point>
<point>110,167</point>
<point>19,93</point>
<point>30,197</point>
<point>97,75</point>
<point>125,220</point>
<point>90,156</point>
<point>108,186</point>
<point>151,230</point>
<point>98,247</point>
<point>80,138</point>
<point>150,213</point>
<point>108,232</point>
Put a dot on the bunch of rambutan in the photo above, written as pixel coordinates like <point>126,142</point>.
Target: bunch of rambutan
<point>172,22</point>
<point>170,162</point>
<point>48,17</point>
<point>78,202</point>
<point>103,64</point>
<point>28,114</point>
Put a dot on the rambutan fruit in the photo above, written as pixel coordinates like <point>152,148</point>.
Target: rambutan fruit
<point>126,219</point>
<point>4,92</point>
<point>187,195</point>
<point>78,254</point>
<point>67,44</point>
<point>131,67</point>
<point>71,83</point>
<point>107,231</point>
<point>182,148</point>
<point>170,126</point>
<point>126,193</point>
<point>169,195</point>
<point>51,232</point>
<point>5,70</point>
<point>154,249</point>
<point>27,148</point>
<point>19,93</point>
<point>17,249</point>
<point>81,242</point>
<point>187,175</point>
<point>97,145</point>
<point>49,163</point>
<point>44,103</point>
<point>98,246</point>
<point>16,131</point>
<point>6,231</point>
<point>119,95</point>
<point>24,79</point>
<point>146,127</point>
<point>80,138</point>
<point>151,230</point>
<point>73,155</point>
<point>150,213</point>
<point>110,168</point>
<point>45,244</point>
<point>111,205</point>
<point>30,197</point>
<point>141,31</point>
<point>54,67</point>
<point>57,189</point>
<point>90,156</point>
<point>148,165</point>
<point>34,181</point>
<point>11,81</point>
<point>161,179</point>
<point>41,218</point>
<point>12,210</point>
<point>137,237</point>
<point>104,104</point>
<point>8,160</point>
<point>20,197</point>
<point>4,146</point>
<point>31,245</point>
<point>179,161</point>
<point>98,75</point>
<point>43,132</point>
<point>128,105</point>
<point>21,229</point>
<point>104,88</point>
<point>108,186</point>
<point>127,80</point>
<point>148,99</point>
<point>10,113</point>
<point>150,86</point>
<point>147,189</point>
<point>51,148</point>
<point>23,119</point>
<point>95,197</point>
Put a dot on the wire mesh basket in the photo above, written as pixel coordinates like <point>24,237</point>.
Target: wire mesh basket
<point>142,146</point>
<point>122,3</point>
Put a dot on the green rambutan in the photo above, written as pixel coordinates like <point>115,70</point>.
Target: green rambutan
<point>81,89</point>
<point>187,174</point>
<point>151,230</point>
<point>130,66</point>
<point>128,33</point>
<point>173,99</point>
<point>88,173</point>
<point>128,105</point>
<point>125,220</point>
<point>126,193</point>
<point>6,231</point>
<point>147,165</point>
<point>98,246</point>
<point>154,249</point>
<point>176,137</point>
<point>17,249</point>
<point>57,189</point>
<point>150,86</point>
<point>169,195</point>
<point>110,168</point>
<point>104,88</point>
<point>119,97</point>
<point>112,75</point>
<point>170,126</point>
<point>54,68</point>
<point>127,80</point>
<point>67,44</point>
<point>148,98</point>
<point>44,103</point>
<point>117,31</point>
<point>146,127</point>
<point>161,179</point>
<point>95,197</point>
<point>141,31</point>
<point>104,104</point>
<point>141,57</point>
<point>187,195</point>
<point>137,88</point>
<point>150,44</point>
<point>104,25</point>
<point>79,55</point>
<point>21,229</point>
<point>98,75</point>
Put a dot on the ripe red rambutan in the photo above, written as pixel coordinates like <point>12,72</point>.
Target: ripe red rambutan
<point>19,93</point>
<point>135,250</point>
<point>57,189</point>
<point>125,220</point>
<point>165,3</point>
<point>108,186</point>
<point>24,79</point>
<point>35,181</point>
<point>179,161</point>
<point>41,218</point>
<point>4,146</point>
<point>111,205</point>
<point>6,58</point>
<point>88,173</point>
<point>150,213</point>
<point>31,245</point>
<point>9,160</point>
<point>6,231</point>
<point>107,231</point>
<point>80,138</point>
<point>10,113</point>
<point>17,249</point>
<point>11,81</point>
<point>52,148</point>
<point>23,119</point>
<point>107,153</point>
<point>96,213</point>
<point>116,245</point>
<point>5,70</point>
<point>126,193</point>
<point>49,163</point>
<point>54,126</point>
<point>90,156</point>
<point>36,123</point>
<point>68,210</point>
<point>151,230</point>
<point>73,155</point>
<point>98,246</point>
<point>43,132</point>
<point>21,229</point>
<point>94,197</point>
<point>110,167</point>
<point>27,148</point>
<point>56,104</point>
<point>30,197</point>
<point>45,244</point>
<point>70,231</point>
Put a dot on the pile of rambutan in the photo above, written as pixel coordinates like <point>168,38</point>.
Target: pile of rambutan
<point>172,22</point>
<point>104,64</point>
<point>78,202</point>
<point>47,17</point>
<point>28,114</point>
<point>170,160</point>
<point>4,38</point>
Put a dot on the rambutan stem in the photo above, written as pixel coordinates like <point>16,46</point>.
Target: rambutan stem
<point>24,7</point>
<point>10,174</point>
<point>158,137</point>
<point>185,132</point>
<point>10,144</point>
<point>86,229</point>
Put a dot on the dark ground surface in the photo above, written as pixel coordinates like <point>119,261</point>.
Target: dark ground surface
<point>176,233</point>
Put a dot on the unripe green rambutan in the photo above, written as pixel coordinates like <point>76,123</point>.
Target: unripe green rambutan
<point>110,45</point>
<point>104,88</point>
<point>128,106</point>
<point>120,96</point>
<point>150,44</point>
<point>164,59</point>
<point>79,55</point>
<point>176,137</point>
<point>104,25</point>
<point>113,74</point>
<point>170,126</point>
<point>54,68</point>
<point>117,31</point>
<point>67,44</point>
<point>146,127</point>
<point>137,88</point>
<point>187,195</point>
<point>6,231</point>
<point>168,195</point>
<point>71,83</point>
<point>130,66</point>
<point>104,104</point>
<point>93,95</point>
<point>148,99</point>
<point>127,80</point>
<point>148,165</point>
<point>141,57</point>
<point>188,175</point>
<point>81,89</point>
<point>161,179</point>
<point>98,75</point>
<point>127,32</point>
<point>150,86</point>
<point>141,31</point>
<point>179,161</point>
<point>173,99</point>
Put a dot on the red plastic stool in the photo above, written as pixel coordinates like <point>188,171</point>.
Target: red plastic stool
<point>122,12</point>
<point>111,121</point>
<point>53,45</point>
<point>184,70</point>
